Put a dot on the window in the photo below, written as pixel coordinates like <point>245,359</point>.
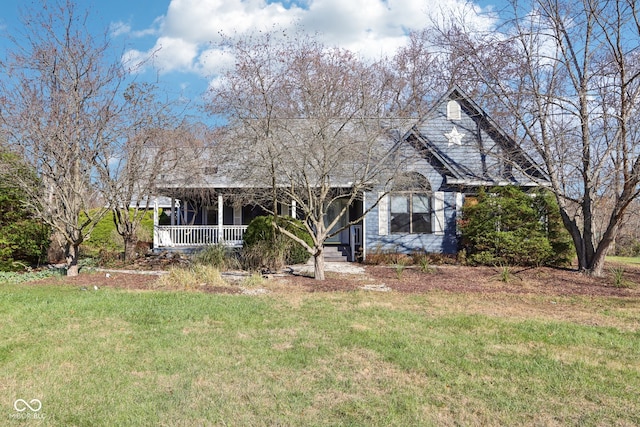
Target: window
<point>453,110</point>
<point>410,213</point>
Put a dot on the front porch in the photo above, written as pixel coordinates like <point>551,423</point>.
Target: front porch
<point>196,224</point>
<point>197,236</point>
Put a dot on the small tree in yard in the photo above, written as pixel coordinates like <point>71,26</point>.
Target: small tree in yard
<point>507,226</point>
<point>306,125</point>
<point>62,111</point>
<point>148,146</point>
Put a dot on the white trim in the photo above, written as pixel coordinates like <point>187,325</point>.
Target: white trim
<point>383,214</point>
<point>454,113</point>
<point>156,218</point>
<point>220,217</point>
<point>438,212</point>
<point>459,205</point>
<point>482,183</point>
<point>364,227</point>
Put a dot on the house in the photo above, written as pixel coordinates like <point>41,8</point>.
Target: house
<point>455,149</point>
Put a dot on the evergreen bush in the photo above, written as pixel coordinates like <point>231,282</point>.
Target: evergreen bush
<point>23,239</point>
<point>510,227</point>
<point>263,240</point>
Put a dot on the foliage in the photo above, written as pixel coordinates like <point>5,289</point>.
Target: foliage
<point>105,238</point>
<point>619,281</point>
<point>379,256</point>
<point>23,239</point>
<point>194,277</point>
<point>277,249</point>
<point>399,267</point>
<point>217,256</point>
<point>7,277</point>
<point>627,246</point>
<point>510,227</point>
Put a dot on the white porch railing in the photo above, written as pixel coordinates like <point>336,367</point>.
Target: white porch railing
<point>175,236</point>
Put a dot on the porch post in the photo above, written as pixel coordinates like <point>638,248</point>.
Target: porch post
<point>155,223</point>
<point>220,218</point>
<point>364,226</point>
<point>293,209</point>
<point>173,211</point>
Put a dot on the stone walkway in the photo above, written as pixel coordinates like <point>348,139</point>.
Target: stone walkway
<point>336,267</point>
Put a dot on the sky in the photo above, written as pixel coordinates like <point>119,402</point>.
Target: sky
<point>177,39</point>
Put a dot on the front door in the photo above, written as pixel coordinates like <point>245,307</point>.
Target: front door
<point>332,212</point>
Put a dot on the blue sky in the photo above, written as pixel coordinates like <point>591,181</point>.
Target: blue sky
<point>181,35</point>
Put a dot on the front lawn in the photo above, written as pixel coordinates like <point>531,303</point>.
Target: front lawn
<point>126,357</point>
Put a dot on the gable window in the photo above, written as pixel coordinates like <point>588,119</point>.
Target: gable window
<point>410,212</point>
<point>453,110</point>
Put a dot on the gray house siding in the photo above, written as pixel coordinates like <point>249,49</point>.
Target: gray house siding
<point>441,242</point>
<point>457,153</point>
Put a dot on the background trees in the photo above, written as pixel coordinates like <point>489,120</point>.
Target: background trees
<point>64,109</point>
<point>573,92</point>
<point>148,142</point>
<point>23,240</point>
<point>308,121</point>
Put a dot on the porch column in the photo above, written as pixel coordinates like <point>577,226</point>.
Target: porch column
<point>293,209</point>
<point>173,211</point>
<point>364,226</point>
<point>155,223</point>
<point>220,218</point>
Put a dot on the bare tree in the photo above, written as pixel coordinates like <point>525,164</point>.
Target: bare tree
<point>574,92</point>
<point>61,106</point>
<point>149,139</point>
<point>309,124</point>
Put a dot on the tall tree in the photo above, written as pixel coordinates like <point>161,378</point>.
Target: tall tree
<point>573,88</point>
<point>61,108</point>
<point>310,124</point>
<point>149,142</point>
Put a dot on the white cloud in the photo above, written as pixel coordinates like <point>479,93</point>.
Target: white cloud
<point>189,31</point>
<point>119,28</point>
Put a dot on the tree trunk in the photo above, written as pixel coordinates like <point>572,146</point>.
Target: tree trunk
<point>72,260</point>
<point>130,243</point>
<point>318,264</point>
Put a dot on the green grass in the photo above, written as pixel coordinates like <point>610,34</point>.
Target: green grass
<point>624,260</point>
<point>112,357</point>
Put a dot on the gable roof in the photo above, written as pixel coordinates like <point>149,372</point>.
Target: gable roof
<point>487,157</point>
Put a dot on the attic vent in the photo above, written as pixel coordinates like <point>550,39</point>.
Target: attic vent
<point>453,110</point>
<point>210,170</point>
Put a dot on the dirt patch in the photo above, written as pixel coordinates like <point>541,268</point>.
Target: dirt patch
<point>459,279</point>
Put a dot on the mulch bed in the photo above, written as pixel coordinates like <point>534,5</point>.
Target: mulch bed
<point>450,278</point>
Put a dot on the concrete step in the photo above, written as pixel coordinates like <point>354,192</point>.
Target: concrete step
<point>334,254</point>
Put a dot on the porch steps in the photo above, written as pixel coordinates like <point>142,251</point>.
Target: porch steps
<point>335,254</point>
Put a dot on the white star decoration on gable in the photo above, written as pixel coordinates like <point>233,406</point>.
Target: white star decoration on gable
<point>454,136</point>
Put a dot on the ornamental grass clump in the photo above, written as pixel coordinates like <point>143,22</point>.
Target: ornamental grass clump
<point>196,276</point>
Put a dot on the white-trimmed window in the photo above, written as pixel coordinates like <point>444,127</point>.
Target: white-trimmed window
<point>453,110</point>
<point>410,212</point>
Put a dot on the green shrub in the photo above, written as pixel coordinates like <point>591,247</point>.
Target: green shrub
<point>218,256</point>
<point>105,237</point>
<point>262,239</point>
<point>23,239</point>
<point>510,227</point>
